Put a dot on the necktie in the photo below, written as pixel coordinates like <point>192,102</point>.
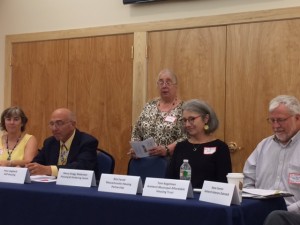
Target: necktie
<point>63,155</point>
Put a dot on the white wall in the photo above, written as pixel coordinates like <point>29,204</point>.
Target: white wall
<point>29,16</point>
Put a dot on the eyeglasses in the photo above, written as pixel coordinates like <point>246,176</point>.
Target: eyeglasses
<point>191,120</point>
<point>58,123</point>
<point>278,120</point>
<point>168,83</point>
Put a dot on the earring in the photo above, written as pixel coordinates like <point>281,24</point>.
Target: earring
<point>206,127</point>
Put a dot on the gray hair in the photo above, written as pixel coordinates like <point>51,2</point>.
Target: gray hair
<point>203,109</point>
<point>171,73</point>
<point>291,102</point>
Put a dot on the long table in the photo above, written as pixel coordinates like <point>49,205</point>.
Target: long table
<point>51,204</point>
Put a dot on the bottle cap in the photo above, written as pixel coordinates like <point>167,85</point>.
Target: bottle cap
<point>185,160</point>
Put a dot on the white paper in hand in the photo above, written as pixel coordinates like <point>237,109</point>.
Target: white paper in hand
<point>141,148</point>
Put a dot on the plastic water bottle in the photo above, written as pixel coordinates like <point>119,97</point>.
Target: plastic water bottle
<point>185,170</point>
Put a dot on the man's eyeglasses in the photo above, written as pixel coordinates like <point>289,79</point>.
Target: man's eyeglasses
<point>58,123</point>
<point>191,120</point>
<point>278,120</point>
<point>168,83</point>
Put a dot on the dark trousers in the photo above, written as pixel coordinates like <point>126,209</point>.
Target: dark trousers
<point>280,217</point>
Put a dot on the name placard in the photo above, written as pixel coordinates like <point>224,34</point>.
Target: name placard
<point>79,178</point>
<point>122,184</point>
<point>219,193</point>
<point>168,188</point>
<point>15,175</point>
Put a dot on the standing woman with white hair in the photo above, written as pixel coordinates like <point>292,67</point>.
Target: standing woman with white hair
<point>208,157</point>
<point>160,118</point>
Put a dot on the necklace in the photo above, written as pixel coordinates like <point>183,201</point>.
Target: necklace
<point>195,147</point>
<point>160,122</point>
<point>172,105</point>
<point>9,151</point>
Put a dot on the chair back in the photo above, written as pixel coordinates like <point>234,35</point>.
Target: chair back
<point>105,162</point>
<point>152,166</point>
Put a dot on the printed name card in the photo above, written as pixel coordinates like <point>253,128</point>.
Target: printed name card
<point>219,193</point>
<point>15,175</point>
<point>123,184</point>
<point>79,178</point>
<point>168,188</point>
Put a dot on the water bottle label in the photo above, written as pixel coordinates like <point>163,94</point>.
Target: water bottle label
<point>185,175</point>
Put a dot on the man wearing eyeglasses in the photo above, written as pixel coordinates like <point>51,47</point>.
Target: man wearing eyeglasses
<point>275,163</point>
<point>67,148</point>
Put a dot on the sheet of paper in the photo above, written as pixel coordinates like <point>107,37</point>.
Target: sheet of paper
<point>141,148</point>
<point>197,190</point>
<point>263,193</point>
<point>43,178</point>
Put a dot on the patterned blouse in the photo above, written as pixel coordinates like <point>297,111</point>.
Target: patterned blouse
<point>159,125</point>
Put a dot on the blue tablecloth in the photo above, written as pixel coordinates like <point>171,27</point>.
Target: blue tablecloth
<point>51,204</point>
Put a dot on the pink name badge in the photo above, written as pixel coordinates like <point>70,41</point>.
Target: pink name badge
<point>294,178</point>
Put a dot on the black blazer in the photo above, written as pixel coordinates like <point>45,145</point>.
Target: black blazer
<point>82,153</point>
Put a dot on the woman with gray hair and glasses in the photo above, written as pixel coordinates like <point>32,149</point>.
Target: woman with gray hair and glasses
<point>160,117</point>
<point>16,146</point>
<point>208,157</point>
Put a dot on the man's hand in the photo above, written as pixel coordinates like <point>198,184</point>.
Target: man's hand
<point>38,169</point>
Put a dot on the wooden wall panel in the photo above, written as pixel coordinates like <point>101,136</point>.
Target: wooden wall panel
<point>39,82</point>
<point>259,61</point>
<point>101,91</point>
<point>197,56</point>
<point>263,61</point>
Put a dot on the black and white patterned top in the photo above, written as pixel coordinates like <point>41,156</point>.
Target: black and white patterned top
<point>159,125</point>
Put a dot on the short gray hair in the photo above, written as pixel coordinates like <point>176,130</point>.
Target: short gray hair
<point>201,107</point>
<point>170,72</point>
<point>291,102</point>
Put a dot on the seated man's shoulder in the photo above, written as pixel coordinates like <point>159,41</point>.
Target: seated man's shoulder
<point>50,140</point>
<point>86,136</point>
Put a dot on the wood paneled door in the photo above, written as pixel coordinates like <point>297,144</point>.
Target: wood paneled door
<point>237,69</point>
<point>263,61</point>
<point>91,76</point>
<point>197,57</point>
<point>39,82</point>
<point>101,91</point>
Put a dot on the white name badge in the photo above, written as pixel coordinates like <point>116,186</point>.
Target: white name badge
<point>170,119</point>
<point>15,175</point>
<point>219,193</point>
<point>79,178</point>
<point>168,188</point>
<point>122,184</point>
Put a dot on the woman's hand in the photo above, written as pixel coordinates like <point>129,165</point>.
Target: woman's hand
<point>158,151</point>
<point>132,154</point>
<point>4,163</point>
